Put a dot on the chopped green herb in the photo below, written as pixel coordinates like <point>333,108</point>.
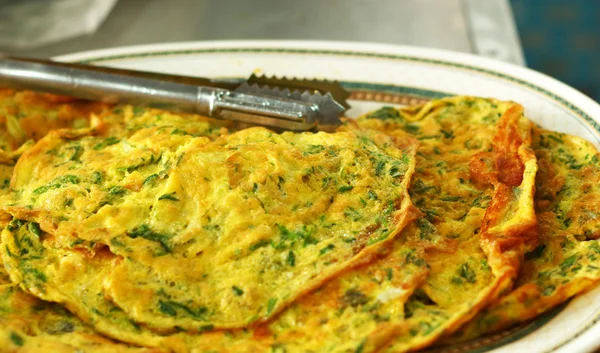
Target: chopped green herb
<point>170,196</point>
<point>426,229</point>
<point>259,244</point>
<point>96,177</point>
<point>40,276</point>
<point>372,195</point>
<point>117,191</point>
<point>456,280</point>
<point>271,305</point>
<point>138,111</point>
<point>170,308</point>
<point>482,201</point>
<point>379,168</point>
<point>145,232</point>
<point>149,180</point>
<point>395,172</point>
<point>536,253</point>
<point>326,181</point>
<point>35,229</point>
<point>314,149</point>
<point>352,213</point>
<point>420,187</point>
<point>378,239</point>
<point>361,346</point>
<point>56,183</point>
<point>411,128</point>
<point>77,151</point>
<point>568,262</point>
<point>345,188</point>
<point>385,113</point>
<point>180,158</point>
<point>467,273</point>
<point>17,339</point>
<point>556,138</point>
<point>107,142</point>
<point>291,258</point>
<point>548,290</point>
<point>237,291</point>
<point>594,246</point>
<point>326,249</point>
<point>447,134</point>
<point>389,273</point>
<point>304,234</point>
<point>206,328</point>
<point>166,308</point>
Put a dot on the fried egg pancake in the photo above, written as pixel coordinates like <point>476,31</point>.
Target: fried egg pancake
<point>474,185</point>
<point>36,267</point>
<point>26,115</point>
<point>361,295</point>
<point>568,210</point>
<point>360,308</point>
<point>28,324</point>
<point>308,206</point>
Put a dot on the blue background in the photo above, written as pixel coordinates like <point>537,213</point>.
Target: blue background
<point>561,38</point>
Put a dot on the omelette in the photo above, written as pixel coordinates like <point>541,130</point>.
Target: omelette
<point>308,206</point>
<point>28,324</point>
<point>474,187</point>
<point>565,262</point>
<point>167,231</point>
<point>28,116</point>
<point>357,309</point>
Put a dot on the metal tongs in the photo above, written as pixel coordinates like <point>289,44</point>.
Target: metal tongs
<point>295,105</point>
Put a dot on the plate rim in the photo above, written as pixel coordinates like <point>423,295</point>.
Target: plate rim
<point>542,82</point>
<point>550,88</point>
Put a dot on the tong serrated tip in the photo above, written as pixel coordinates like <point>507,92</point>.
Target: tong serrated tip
<point>323,86</point>
<point>328,110</point>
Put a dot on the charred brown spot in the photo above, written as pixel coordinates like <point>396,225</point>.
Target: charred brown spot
<point>363,238</point>
<point>481,169</point>
<point>262,331</point>
<point>353,298</point>
<point>510,169</point>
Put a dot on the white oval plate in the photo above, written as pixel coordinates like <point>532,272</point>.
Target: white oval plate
<point>382,74</point>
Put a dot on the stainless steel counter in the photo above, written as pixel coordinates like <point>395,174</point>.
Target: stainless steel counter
<point>485,27</point>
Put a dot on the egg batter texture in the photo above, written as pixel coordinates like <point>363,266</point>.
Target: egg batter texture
<point>474,186</point>
<point>255,218</point>
<point>566,261</point>
<point>360,309</point>
<point>28,324</point>
<point>166,231</point>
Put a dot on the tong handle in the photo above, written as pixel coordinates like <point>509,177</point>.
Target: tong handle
<point>138,88</point>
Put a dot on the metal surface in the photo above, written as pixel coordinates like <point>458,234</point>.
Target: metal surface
<point>493,31</point>
<point>248,104</point>
<point>446,24</point>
